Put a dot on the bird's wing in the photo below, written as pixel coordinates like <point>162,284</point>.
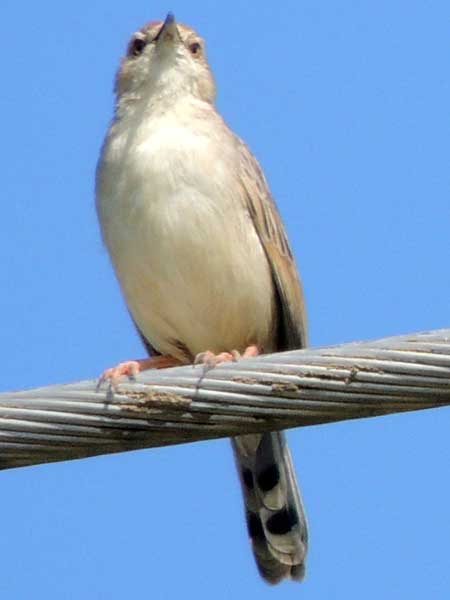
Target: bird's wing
<point>292,327</point>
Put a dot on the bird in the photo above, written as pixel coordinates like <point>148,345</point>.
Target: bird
<point>202,257</point>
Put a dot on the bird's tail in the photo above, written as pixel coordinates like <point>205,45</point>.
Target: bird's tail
<point>274,510</point>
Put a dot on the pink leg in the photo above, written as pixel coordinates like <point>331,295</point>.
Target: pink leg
<point>211,360</point>
<point>132,367</point>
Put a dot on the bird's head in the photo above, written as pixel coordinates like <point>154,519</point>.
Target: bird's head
<point>164,59</point>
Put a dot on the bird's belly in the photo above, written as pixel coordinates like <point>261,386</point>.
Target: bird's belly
<point>194,275</point>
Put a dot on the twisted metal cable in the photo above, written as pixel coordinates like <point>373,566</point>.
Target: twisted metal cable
<point>184,404</point>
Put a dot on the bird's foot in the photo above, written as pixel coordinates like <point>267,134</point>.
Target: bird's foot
<point>209,360</point>
<point>251,351</point>
<point>132,367</point>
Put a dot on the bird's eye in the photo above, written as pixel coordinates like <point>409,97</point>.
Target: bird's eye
<point>137,46</point>
<point>195,48</point>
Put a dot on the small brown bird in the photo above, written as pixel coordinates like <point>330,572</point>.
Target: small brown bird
<point>201,255</point>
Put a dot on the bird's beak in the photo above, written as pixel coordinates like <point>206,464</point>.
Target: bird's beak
<point>168,34</point>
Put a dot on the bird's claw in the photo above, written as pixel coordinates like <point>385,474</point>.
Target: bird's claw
<point>131,368</point>
<point>112,375</point>
<point>209,360</point>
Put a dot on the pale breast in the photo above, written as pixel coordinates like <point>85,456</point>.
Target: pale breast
<point>184,248</point>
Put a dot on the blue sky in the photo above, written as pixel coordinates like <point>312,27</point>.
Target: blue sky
<point>346,105</point>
